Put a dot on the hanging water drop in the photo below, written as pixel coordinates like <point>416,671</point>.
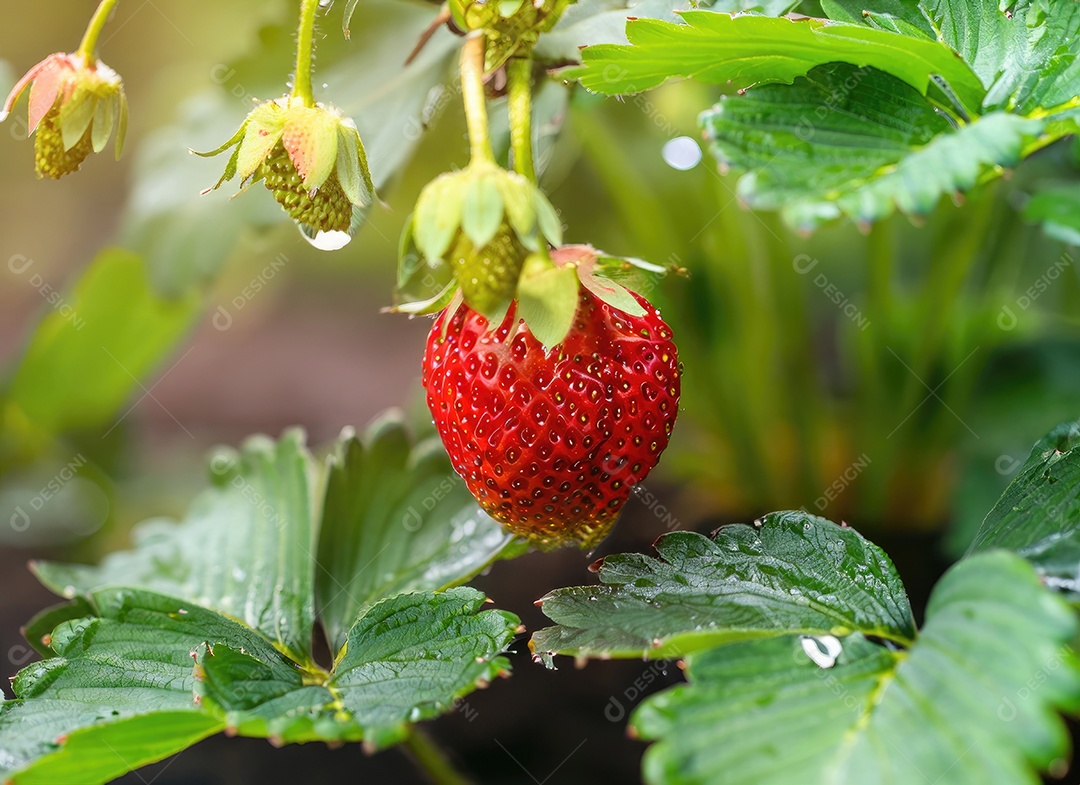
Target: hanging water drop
<point>823,650</point>
<point>333,240</point>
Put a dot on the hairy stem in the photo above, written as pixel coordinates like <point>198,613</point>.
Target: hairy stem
<point>88,47</point>
<point>472,94</point>
<point>305,47</point>
<point>429,757</point>
<point>519,75</point>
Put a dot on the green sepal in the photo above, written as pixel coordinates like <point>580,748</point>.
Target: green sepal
<point>352,166</point>
<point>261,133</point>
<point>76,114</point>
<point>547,219</point>
<point>121,124</point>
<point>410,260</point>
<point>608,291</point>
<point>320,148</point>
<point>431,305</point>
<point>233,140</point>
<point>547,299</point>
<point>104,120</point>
<point>518,196</point>
<point>481,210</point>
<point>438,215</point>
<point>348,169</point>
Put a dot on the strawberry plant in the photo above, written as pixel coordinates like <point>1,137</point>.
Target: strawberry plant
<point>854,314</point>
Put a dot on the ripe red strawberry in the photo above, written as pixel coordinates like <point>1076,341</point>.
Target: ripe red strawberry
<point>551,443</point>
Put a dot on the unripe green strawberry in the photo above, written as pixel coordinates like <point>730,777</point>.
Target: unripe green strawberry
<point>479,224</point>
<point>312,161</point>
<point>74,106</point>
<point>551,443</point>
<point>50,158</point>
<point>488,275</point>
<point>328,209</point>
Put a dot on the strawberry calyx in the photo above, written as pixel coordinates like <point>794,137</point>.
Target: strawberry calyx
<point>545,291</point>
<point>511,27</point>
<point>477,227</point>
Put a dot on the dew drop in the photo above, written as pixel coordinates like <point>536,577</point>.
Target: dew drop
<point>823,650</point>
<point>324,241</point>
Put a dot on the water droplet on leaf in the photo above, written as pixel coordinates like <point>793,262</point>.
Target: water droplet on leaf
<point>823,650</point>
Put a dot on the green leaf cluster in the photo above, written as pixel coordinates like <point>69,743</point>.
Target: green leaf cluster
<point>803,660</point>
<point>207,625</point>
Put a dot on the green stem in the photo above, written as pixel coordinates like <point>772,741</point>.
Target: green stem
<point>305,47</point>
<point>428,756</point>
<point>472,94</point>
<point>88,48</point>
<point>519,75</point>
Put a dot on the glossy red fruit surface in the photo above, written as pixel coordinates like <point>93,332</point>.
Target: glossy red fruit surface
<point>551,443</point>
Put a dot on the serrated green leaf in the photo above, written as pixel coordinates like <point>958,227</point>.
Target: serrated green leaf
<point>845,141</point>
<point>742,51</point>
<point>131,661</point>
<point>87,357</point>
<point>397,518</point>
<point>408,658</point>
<point>1058,210</point>
<point>903,13</point>
<point>244,549</point>
<point>792,573</point>
<point>481,210</point>
<point>1024,52</point>
<point>101,753</point>
<point>1038,516</point>
<point>547,302</point>
<point>589,22</point>
<point>38,631</point>
<point>957,707</point>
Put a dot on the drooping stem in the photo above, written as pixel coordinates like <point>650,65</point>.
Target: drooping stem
<point>472,94</point>
<point>305,47</point>
<point>432,759</point>
<point>519,78</point>
<point>88,48</point>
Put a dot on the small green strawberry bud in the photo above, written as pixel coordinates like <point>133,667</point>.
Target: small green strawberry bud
<point>489,274</point>
<point>74,106</point>
<point>511,27</point>
<point>327,210</point>
<point>312,161</point>
<point>482,222</point>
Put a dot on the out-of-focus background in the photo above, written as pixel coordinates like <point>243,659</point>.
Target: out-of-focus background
<point>893,378</point>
